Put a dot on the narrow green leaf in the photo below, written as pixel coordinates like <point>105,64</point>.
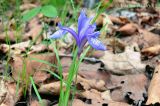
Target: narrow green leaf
<point>49,11</point>
<point>43,61</point>
<point>36,91</point>
<point>31,13</point>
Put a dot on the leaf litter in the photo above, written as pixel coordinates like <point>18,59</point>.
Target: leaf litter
<point>127,74</point>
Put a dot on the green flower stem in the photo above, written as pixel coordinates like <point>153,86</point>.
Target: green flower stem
<point>73,72</point>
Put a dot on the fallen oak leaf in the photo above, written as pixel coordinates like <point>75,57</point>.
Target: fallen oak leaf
<point>128,62</point>
<point>128,88</point>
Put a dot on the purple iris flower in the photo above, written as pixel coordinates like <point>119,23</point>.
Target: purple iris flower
<point>86,32</point>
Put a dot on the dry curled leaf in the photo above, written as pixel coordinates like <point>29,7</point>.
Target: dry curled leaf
<point>128,29</point>
<point>153,90</point>
<point>118,20</point>
<point>18,63</point>
<point>51,88</point>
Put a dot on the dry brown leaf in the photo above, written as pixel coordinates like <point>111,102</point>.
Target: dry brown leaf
<point>151,51</point>
<point>36,103</point>
<point>118,104</point>
<point>34,32</point>
<point>95,53</point>
<point>92,94</point>
<point>18,62</point>
<point>124,63</point>
<point>17,48</point>
<point>151,38</point>
<point>10,98</point>
<point>4,48</point>
<point>117,20</point>
<point>40,76</point>
<point>78,102</point>
<point>40,48</point>
<point>144,39</point>
<point>84,66</point>
<point>106,95</point>
<point>128,87</point>
<point>10,34</point>
<point>116,45</point>
<point>91,83</point>
<point>153,90</point>
<point>3,91</point>
<point>51,88</point>
<point>128,29</point>
<point>27,6</point>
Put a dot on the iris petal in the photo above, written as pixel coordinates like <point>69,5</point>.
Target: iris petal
<point>71,31</point>
<point>90,29</point>
<point>83,23</point>
<point>84,28</point>
<point>96,44</point>
<point>94,35</point>
<point>58,34</point>
<point>81,20</point>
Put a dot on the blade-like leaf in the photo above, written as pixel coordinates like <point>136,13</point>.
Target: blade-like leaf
<point>49,11</point>
<point>31,13</point>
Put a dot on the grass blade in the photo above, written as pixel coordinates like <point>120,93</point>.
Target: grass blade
<point>36,91</point>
